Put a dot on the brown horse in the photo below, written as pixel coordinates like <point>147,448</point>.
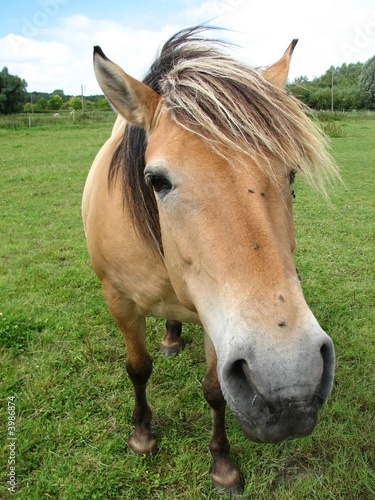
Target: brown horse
<point>188,216</point>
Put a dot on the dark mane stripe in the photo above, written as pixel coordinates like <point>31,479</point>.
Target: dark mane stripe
<point>129,161</point>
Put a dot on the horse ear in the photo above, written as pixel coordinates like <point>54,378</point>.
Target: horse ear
<point>277,74</point>
<point>134,100</point>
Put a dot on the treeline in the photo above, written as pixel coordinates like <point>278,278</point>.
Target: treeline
<point>347,87</point>
<point>40,102</point>
<point>14,98</point>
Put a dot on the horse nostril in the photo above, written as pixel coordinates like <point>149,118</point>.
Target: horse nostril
<point>238,382</point>
<point>328,355</point>
<point>239,372</point>
<point>240,369</point>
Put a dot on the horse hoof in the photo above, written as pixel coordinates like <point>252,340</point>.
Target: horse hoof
<point>233,491</point>
<point>142,444</point>
<point>170,351</point>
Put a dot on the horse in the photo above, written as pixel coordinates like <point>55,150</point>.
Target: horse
<point>187,212</point>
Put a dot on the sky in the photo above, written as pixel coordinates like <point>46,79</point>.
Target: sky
<point>49,42</point>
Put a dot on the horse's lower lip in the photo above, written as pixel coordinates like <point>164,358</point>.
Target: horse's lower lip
<point>291,420</point>
<point>272,419</point>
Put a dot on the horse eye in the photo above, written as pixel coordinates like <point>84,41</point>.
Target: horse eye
<point>158,183</point>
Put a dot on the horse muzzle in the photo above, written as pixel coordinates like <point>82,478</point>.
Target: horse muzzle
<point>268,420</point>
<point>280,399</point>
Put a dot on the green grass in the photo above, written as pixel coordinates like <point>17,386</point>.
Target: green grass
<point>63,357</point>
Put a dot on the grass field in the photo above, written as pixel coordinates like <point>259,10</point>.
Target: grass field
<point>62,357</point>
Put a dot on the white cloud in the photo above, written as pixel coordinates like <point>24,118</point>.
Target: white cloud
<point>65,61</point>
<point>38,62</point>
<point>329,33</point>
<point>21,49</point>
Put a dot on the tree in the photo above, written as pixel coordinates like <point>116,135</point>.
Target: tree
<point>59,92</point>
<point>28,107</point>
<point>55,102</point>
<point>41,105</point>
<point>367,83</point>
<point>12,92</point>
<point>75,103</point>
<point>317,93</point>
<point>89,105</point>
<point>321,98</point>
<point>348,97</point>
<point>102,104</point>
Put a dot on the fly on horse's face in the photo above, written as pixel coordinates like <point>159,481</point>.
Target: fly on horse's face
<point>206,234</point>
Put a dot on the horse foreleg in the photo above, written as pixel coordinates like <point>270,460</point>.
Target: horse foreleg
<point>224,475</point>
<point>172,343</point>
<point>141,440</point>
<point>138,366</point>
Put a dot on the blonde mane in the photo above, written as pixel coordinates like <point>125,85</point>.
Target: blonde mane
<point>234,109</point>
